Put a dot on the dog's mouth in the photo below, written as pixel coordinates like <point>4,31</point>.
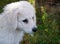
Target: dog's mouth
<point>32,34</point>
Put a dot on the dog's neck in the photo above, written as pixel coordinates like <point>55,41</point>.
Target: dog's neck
<point>11,37</point>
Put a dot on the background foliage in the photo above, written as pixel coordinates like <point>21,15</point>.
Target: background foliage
<point>48,22</point>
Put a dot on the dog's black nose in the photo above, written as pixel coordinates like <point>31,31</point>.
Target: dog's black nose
<point>34,29</point>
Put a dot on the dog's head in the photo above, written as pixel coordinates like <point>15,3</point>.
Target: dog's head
<point>26,18</point>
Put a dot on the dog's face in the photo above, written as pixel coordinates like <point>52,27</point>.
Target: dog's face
<point>27,20</point>
<point>24,14</point>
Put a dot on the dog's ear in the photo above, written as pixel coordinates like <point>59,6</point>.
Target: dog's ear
<point>11,18</point>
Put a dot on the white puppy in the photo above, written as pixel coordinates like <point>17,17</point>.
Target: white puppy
<point>18,18</point>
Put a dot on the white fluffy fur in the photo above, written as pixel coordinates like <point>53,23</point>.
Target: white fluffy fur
<point>12,27</point>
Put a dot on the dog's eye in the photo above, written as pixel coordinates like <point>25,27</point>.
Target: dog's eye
<point>33,18</point>
<point>25,21</point>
